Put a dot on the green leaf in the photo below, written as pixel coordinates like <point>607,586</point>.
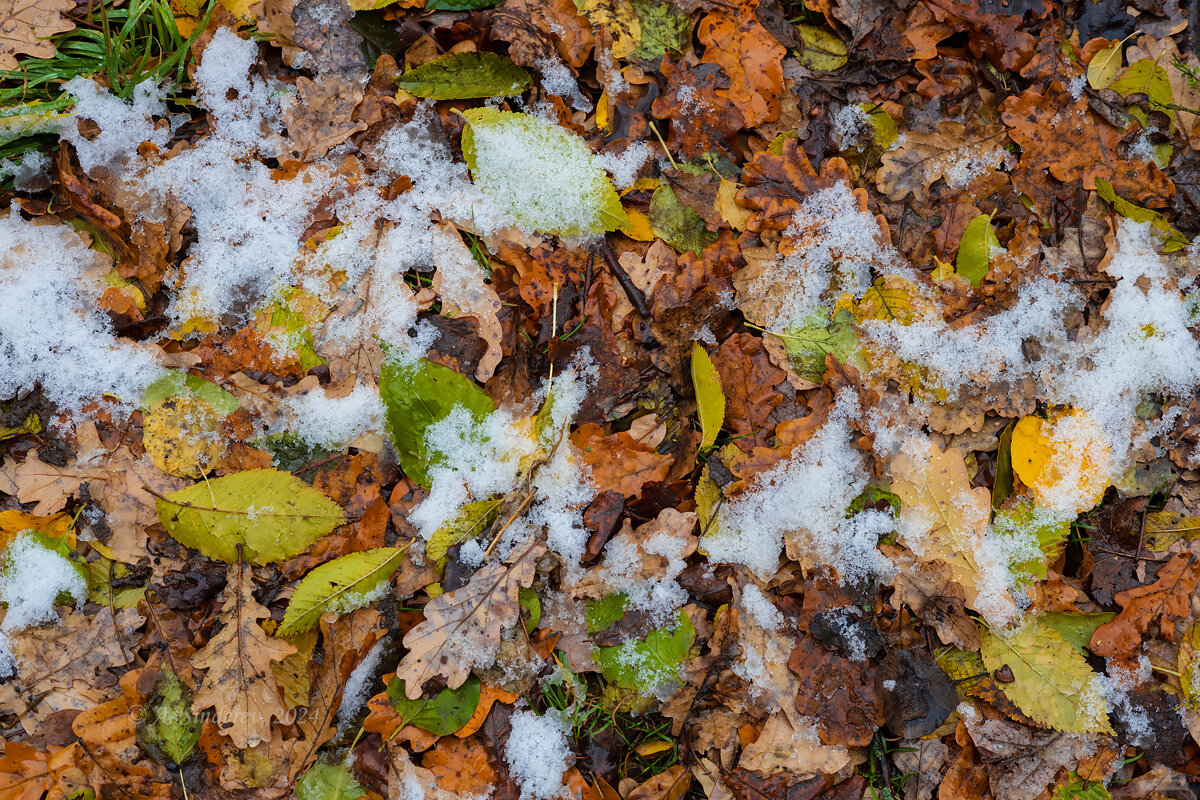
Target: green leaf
<point>1080,789</point>
<point>168,730</point>
<point>648,664</point>
<point>710,399</point>
<point>441,715</point>
<point>664,28</point>
<point>975,249</point>
<point>886,132</point>
<point>1052,682</point>
<point>417,395</point>
<point>1145,77</point>
<point>102,572</point>
<point>542,174</point>
<point>821,51</point>
<point>176,383</point>
<point>273,515</point>
<point>1002,486</point>
<point>1173,239</point>
<point>531,608</point>
<point>472,519</point>
<point>601,613</point>
<point>676,224</point>
<point>1026,524</point>
<point>328,782</point>
<point>1103,68</point>
<point>1077,627</point>
<point>340,585</point>
<point>807,346</point>
<point>462,76</point>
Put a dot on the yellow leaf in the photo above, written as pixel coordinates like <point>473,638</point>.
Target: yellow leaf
<point>182,435</point>
<point>728,208</point>
<point>710,398</point>
<point>1052,682</point>
<point>618,18</point>
<point>56,526</point>
<point>1103,68</point>
<point>1064,459</point>
<point>640,228</point>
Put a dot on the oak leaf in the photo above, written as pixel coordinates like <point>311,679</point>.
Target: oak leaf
<point>1165,601</point>
<point>462,628</point>
<point>920,159</point>
<point>619,462</point>
<point>751,58</point>
<point>239,683</point>
<point>27,25</point>
<point>109,734</point>
<point>27,773</point>
<point>461,766</point>
<point>943,517</point>
<point>67,666</point>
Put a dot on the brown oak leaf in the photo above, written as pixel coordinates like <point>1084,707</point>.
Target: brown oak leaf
<point>239,683</point>
<point>751,58</point>
<point>27,25</point>
<point>1166,599</point>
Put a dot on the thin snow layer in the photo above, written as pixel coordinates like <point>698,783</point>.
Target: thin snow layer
<point>849,124</point>
<point>51,329</point>
<point>334,422</point>
<point>358,685</point>
<point>624,168</point>
<point>831,245</point>
<point>760,608</point>
<point>1142,347</point>
<point>483,459</point>
<point>124,124</point>
<point>659,595</point>
<point>557,79</point>
<point>539,171</point>
<point>805,498</point>
<point>538,753</point>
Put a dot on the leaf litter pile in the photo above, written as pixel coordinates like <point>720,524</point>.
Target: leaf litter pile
<point>599,399</point>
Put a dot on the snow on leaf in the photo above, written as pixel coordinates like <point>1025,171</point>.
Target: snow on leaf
<point>648,664</point>
<point>462,628</point>
<point>340,585</point>
<point>1064,458</point>
<point>541,174</point>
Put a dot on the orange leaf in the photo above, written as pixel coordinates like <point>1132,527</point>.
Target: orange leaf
<point>751,58</point>
<point>461,766</point>
<point>487,697</point>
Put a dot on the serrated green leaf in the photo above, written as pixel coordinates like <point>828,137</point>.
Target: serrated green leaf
<point>648,664</point>
<point>417,395</point>
<point>822,50</point>
<point>676,224</point>
<point>531,608</point>
<point>1103,68</point>
<point>1052,683</point>
<point>463,76</point>
<point>975,249</point>
<point>1077,627</point>
<point>442,714</point>
<point>273,515</point>
<point>340,585</point>
<point>807,346</point>
<point>544,176</point>
<point>665,28</point>
<point>168,730</point>
<point>1145,77</point>
<point>1173,239</point>
<point>601,613</point>
<point>710,399</point>
<point>328,782</point>
<point>471,520</point>
<point>176,383</point>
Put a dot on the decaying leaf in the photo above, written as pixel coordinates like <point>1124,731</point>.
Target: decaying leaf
<point>239,684</point>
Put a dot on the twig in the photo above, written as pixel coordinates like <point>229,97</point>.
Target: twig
<point>635,295</point>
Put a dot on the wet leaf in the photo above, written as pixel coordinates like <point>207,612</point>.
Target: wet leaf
<point>648,664</point>
<point>710,399</point>
<point>823,50</point>
<point>441,715</point>
<point>340,586</point>
<point>975,250</point>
